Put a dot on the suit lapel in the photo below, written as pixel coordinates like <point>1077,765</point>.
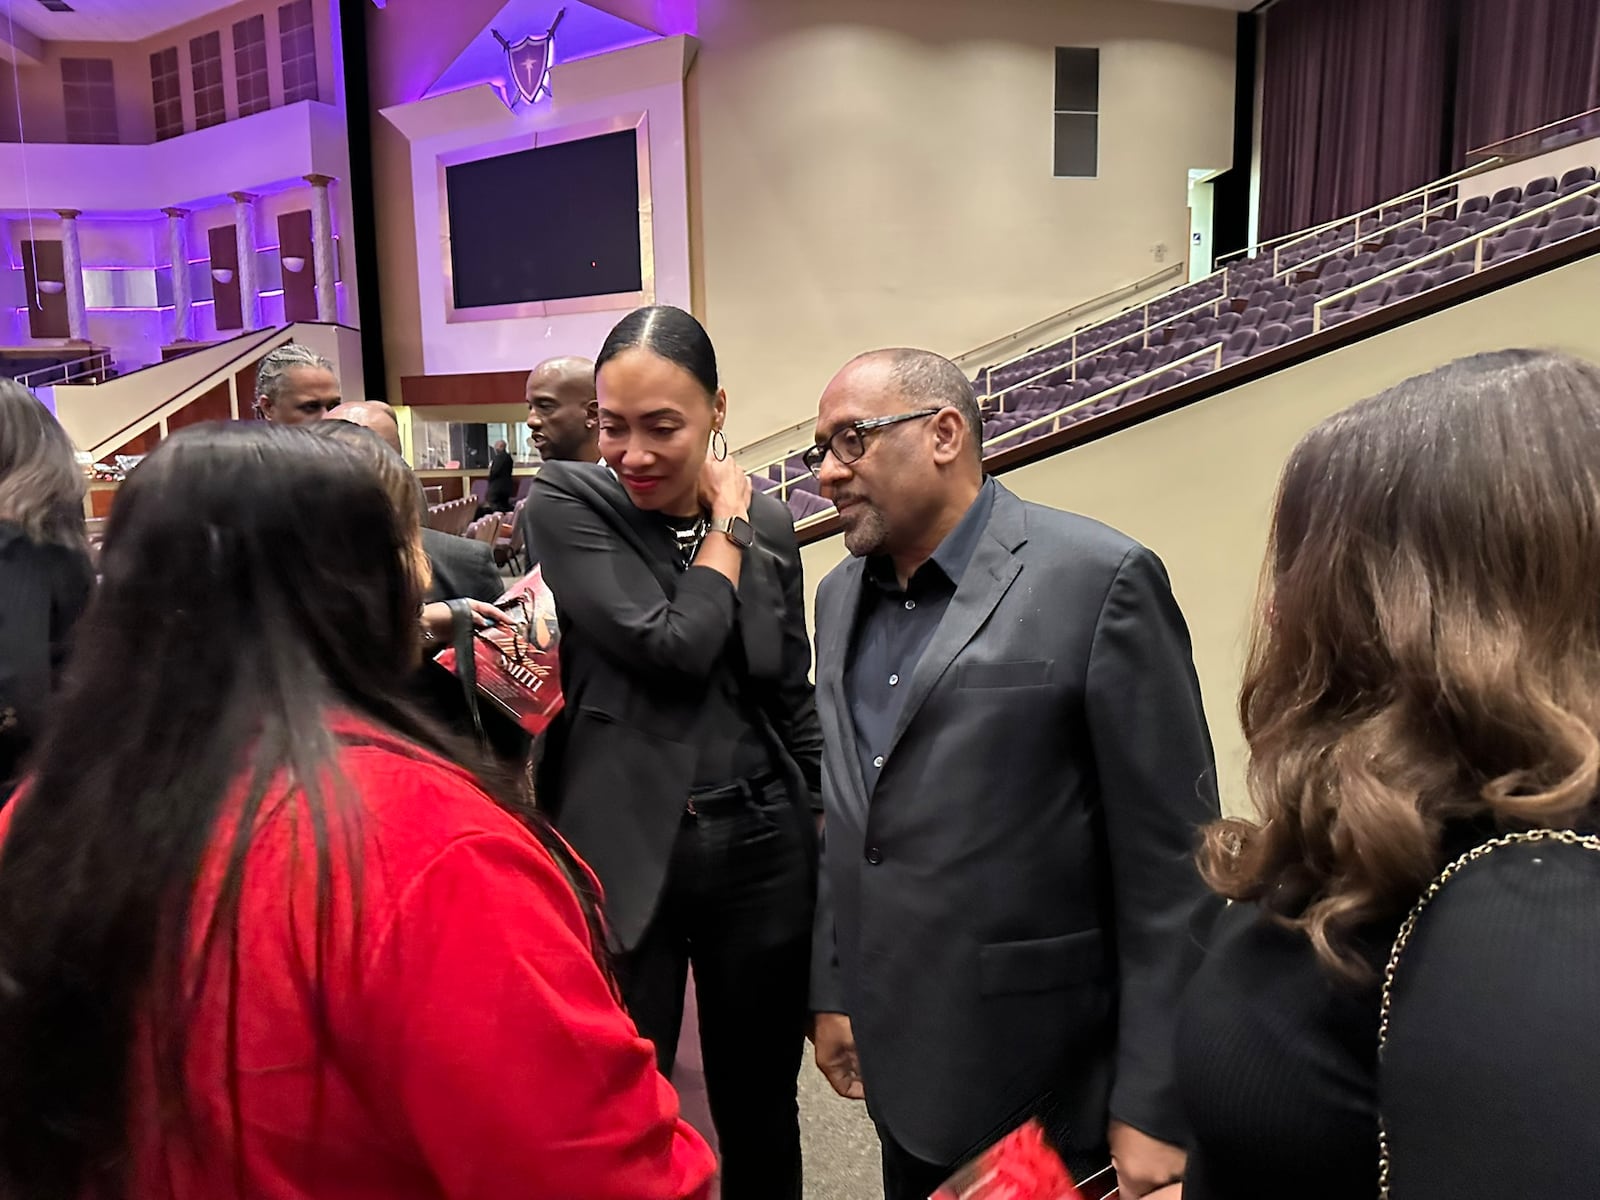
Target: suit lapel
<point>835,622</point>
<point>988,577</point>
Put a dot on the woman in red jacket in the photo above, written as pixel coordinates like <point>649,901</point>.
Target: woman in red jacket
<point>258,936</point>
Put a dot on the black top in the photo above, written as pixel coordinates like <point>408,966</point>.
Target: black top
<point>1487,1086</point>
<point>43,591</point>
<point>501,482</point>
<point>648,653</point>
<point>1276,1061</point>
<point>731,747</point>
<point>894,627</point>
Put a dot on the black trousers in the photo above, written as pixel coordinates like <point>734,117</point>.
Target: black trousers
<point>737,905</point>
<point>905,1176</point>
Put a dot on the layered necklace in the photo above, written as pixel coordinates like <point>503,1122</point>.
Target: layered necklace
<point>687,538</point>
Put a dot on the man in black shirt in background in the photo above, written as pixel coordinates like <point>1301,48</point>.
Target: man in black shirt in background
<point>564,418</point>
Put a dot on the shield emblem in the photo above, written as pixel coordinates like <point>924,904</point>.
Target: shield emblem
<point>529,61</point>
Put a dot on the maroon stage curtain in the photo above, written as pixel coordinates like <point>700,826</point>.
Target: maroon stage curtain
<point>1523,65</point>
<point>1352,105</point>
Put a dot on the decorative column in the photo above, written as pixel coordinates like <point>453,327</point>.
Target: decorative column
<point>72,268</point>
<point>244,228</point>
<point>182,297</point>
<point>322,248</point>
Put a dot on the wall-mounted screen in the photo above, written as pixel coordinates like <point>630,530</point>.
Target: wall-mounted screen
<point>557,222</point>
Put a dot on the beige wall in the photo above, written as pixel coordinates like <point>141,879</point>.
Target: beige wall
<point>43,115</point>
<point>872,174</point>
<point>1196,485</point>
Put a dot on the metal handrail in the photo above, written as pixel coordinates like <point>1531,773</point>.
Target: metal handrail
<point>1403,198</point>
<point>1100,301</point>
<point>1359,238</point>
<point>1213,351</point>
<point>1578,119</point>
<point>77,368</point>
<point>1165,322</point>
<point>1478,240</point>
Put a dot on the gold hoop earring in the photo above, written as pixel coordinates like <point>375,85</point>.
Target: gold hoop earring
<point>719,445</point>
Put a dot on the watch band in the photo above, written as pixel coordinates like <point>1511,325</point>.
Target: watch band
<point>732,528</point>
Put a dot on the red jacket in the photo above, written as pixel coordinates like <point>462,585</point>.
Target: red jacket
<point>476,1051</point>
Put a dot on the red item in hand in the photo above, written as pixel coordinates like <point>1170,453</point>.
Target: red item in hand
<point>1021,1166</point>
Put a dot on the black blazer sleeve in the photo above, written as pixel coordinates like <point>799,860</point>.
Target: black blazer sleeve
<point>1487,1084</point>
<point>1152,752</point>
<point>462,567</point>
<point>793,705</point>
<point>606,588</point>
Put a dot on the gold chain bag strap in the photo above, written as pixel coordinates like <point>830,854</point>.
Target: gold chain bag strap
<point>1564,837</point>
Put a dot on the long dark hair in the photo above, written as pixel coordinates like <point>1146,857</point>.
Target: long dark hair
<point>1427,655</point>
<point>41,485</point>
<point>668,333</point>
<point>255,584</point>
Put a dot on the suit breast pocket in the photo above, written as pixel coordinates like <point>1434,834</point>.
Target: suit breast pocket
<point>1041,964</point>
<point>1029,673</point>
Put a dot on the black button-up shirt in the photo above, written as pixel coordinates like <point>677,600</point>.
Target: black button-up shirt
<point>894,627</point>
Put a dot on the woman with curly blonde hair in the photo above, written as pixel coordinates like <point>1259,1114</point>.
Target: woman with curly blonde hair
<point>1422,707</point>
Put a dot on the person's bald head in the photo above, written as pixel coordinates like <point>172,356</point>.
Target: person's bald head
<point>374,415</point>
<point>563,414</point>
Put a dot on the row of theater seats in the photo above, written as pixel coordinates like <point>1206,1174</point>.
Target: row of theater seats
<point>1259,304</point>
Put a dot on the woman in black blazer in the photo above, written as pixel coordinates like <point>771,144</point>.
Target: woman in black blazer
<point>45,574</point>
<point>685,767</point>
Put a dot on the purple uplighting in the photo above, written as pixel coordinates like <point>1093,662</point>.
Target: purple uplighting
<point>584,33</point>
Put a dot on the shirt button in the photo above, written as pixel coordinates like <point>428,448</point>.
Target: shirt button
<point>893,679</point>
<point>874,855</point>
<point>878,762</point>
<point>910,604</point>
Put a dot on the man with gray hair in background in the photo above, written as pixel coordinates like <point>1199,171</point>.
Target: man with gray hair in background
<point>295,384</point>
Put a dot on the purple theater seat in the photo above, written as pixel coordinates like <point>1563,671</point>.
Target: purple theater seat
<point>1512,194</point>
<point>1410,232</point>
<point>1274,334</point>
<point>1503,211</point>
<point>1450,274</point>
<point>1577,206</point>
<point>1251,318</point>
<point>1510,244</point>
<point>1277,312</point>
<point>1364,259</point>
<point>1473,204</point>
<point>1417,247</point>
<point>1227,322</point>
<point>1411,284</point>
<point>1579,176</point>
<point>1387,257</point>
<point>1205,328</point>
<point>1139,390</point>
<point>1539,187</point>
<point>1310,287</point>
<point>1447,232</point>
<point>1302,307</point>
<point>806,504</point>
<point>1300,327</point>
<point>1180,332</point>
<point>1241,344</point>
<point>1567,227</point>
<point>1335,284</point>
<point>1338,264</point>
<point>809,484</point>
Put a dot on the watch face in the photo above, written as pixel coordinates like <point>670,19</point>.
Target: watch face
<point>741,534</point>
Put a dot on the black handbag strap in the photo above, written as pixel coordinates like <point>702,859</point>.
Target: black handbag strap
<point>462,629</point>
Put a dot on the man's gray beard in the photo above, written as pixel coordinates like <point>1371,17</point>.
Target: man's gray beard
<point>868,534</point>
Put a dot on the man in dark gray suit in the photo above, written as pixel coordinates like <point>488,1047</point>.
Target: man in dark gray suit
<point>1016,767</point>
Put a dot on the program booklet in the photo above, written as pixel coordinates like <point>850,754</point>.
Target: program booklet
<point>1020,1166</point>
<point>517,665</point>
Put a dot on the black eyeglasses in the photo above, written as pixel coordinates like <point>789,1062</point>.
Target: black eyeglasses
<point>850,443</point>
